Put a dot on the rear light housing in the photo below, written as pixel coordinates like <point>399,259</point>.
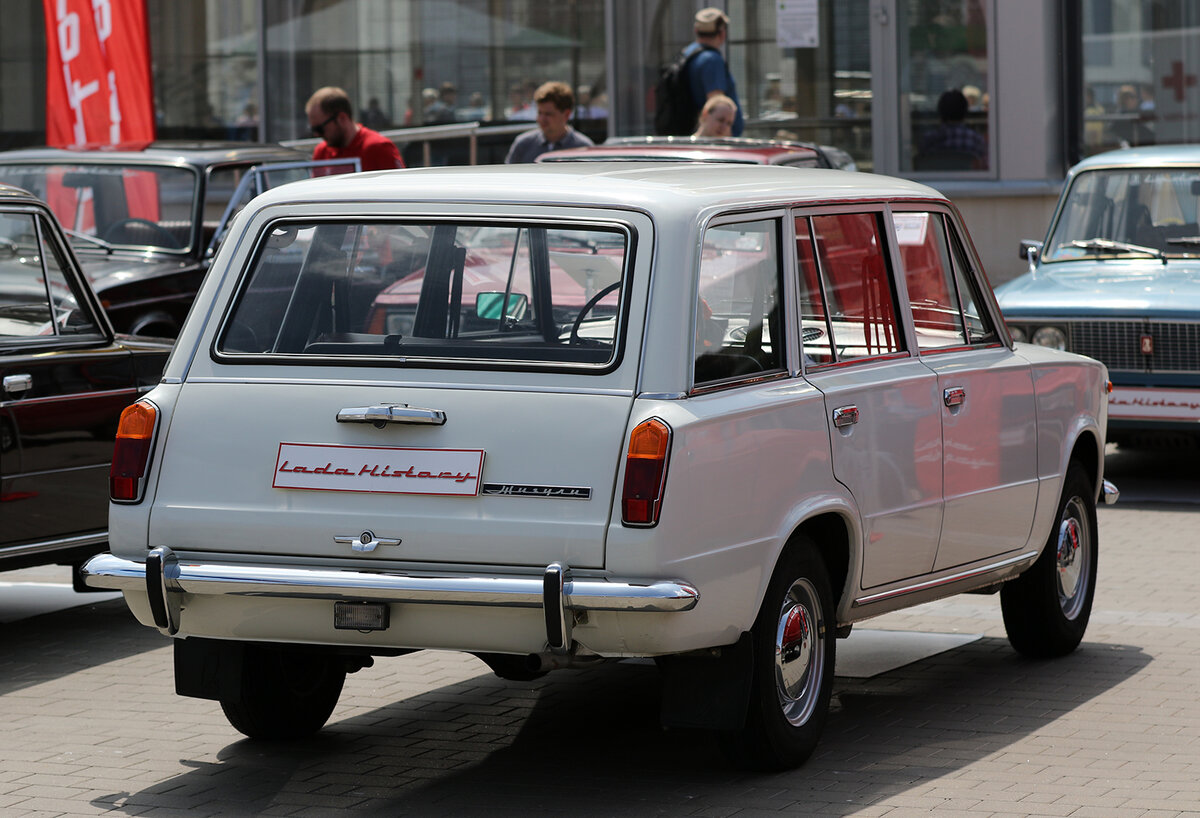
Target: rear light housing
<point>131,455</point>
<point>645,473</point>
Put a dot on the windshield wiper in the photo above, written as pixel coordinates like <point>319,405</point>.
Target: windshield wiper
<point>1110,246</point>
<point>1190,241</point>
<point>108,248</point>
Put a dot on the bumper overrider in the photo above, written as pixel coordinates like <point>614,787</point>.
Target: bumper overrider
<point>165,578</point>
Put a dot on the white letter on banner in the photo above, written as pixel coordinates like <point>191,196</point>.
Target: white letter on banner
<point>68,32</point>
<point>103,14</point>
<point>114,109</point>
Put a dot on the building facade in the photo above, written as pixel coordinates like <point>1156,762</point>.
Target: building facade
<point>1045,81</point>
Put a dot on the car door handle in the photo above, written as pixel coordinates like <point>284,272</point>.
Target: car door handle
<point>954,396</point>
<point>845,416</point>
<point>14,384</point>
<point>392,413</point>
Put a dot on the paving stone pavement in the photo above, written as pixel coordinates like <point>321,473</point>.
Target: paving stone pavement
<point>91,724</point>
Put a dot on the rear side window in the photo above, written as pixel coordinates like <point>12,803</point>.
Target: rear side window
<point>739,329</point>
<point>426,292</point>
<point>847,299</point>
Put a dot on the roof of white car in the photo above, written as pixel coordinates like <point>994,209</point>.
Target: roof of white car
<point>603,184</point>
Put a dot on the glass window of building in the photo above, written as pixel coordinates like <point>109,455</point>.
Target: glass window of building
<point>1140,73</point>
<point>943,85</point>
<point>804,76</point>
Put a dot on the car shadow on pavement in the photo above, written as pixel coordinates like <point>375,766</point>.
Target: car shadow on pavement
<point>49,646</point>
<point>587,742</point>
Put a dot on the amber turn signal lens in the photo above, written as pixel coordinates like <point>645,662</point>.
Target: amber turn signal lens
<point>131,455</point>
<point>645,473</point>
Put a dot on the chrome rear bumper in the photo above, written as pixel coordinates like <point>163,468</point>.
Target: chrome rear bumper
<point>165,578</point>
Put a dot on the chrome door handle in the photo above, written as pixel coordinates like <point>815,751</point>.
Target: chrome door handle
<point>17,383</point>
<point>392,413</point>
<point>954,396</point>
<point>845,416</point>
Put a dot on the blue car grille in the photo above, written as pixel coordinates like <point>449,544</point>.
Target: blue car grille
<point>1119,344</point>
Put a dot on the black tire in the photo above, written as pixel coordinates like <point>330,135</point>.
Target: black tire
<point>792,677</point>
<point>1046,609</point>
<point>285,693</point>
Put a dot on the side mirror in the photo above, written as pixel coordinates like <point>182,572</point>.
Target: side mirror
<point>1032,251</point>
<point>487,306</point>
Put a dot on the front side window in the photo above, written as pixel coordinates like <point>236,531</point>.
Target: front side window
<point>739,328</point>
<point>847,300</point>
<point>454,292</point>
<point>134,206</point>
<point>943,295</point>
<point>24,299</point>
<point>36,297</point>
<point>1128,214</point>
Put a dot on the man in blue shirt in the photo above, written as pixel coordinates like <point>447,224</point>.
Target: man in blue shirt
<point>555,102</point>
<point>707,72</point>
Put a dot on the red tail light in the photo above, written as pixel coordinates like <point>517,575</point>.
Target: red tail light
<point>131,455</point>
<point>645,473</point>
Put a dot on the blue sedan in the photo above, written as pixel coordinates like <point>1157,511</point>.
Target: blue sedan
<point>1118,279</point>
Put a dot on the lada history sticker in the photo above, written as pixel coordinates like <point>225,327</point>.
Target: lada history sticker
<point>385,470</point>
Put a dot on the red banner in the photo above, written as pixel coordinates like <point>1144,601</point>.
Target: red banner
<point>98,86</point>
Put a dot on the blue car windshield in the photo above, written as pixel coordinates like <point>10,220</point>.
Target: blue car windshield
<point>1128,213</point>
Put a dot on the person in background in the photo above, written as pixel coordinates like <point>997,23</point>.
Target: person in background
<point>717,117</point>
<point>586,107</point>
<point>373,116</point>
<point>954,137</point>
<point>708,74</point>
<point>441,110</point>
<point>330,116</point>
<point>554,101</point>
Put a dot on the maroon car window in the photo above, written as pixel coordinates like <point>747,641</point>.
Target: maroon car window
<point>453,292</point>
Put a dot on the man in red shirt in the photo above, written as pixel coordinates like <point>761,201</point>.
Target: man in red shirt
<point>331,117</point>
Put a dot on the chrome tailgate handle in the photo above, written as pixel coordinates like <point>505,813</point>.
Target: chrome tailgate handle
<point>392,413</point>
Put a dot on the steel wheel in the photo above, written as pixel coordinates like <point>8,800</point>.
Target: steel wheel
<point>791,677</point>
<point>1074,558</point>
<point>799,657</point>
<point>1047,608</point>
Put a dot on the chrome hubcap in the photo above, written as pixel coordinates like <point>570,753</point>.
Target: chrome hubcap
<point>1073,558</point>
<point>799,652</point>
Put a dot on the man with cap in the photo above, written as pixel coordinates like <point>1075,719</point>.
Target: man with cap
<point>708,73</point>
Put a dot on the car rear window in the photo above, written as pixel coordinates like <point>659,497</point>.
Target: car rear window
<point>423,293</point>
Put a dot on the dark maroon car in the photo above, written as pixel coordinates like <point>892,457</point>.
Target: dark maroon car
<point>65,378</point>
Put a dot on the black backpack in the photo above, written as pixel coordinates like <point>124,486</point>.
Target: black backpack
<point>675,111</point>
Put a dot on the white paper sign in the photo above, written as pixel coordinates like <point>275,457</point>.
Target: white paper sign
<point>377,469</point>
<point>797,24</point>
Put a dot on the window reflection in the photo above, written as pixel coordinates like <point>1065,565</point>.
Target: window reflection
<point>945,91</point>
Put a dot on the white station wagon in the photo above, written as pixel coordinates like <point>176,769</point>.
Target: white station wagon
<point>549,415</point>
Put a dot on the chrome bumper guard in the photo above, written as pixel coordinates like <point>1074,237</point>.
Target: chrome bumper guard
<point>165,577</point>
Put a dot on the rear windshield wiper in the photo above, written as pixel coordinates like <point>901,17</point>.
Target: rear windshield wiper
<point>1110,246</point>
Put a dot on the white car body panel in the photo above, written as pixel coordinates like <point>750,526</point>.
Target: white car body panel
<point>916,503</point>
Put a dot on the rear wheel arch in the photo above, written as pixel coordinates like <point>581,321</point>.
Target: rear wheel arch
<point>830,534</point>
